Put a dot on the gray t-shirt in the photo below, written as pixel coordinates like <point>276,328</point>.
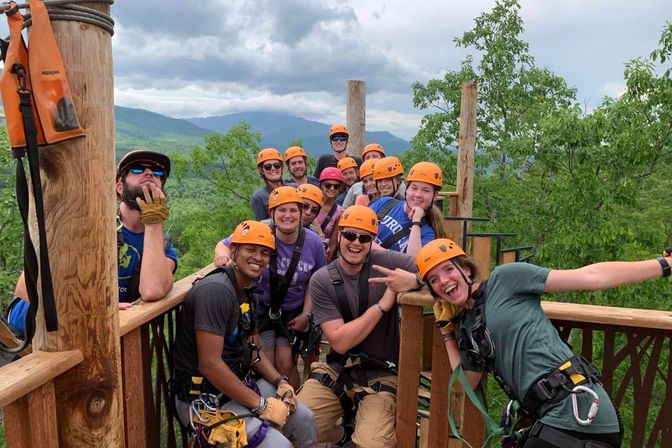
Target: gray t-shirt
<point>528,347</point>
<point>379,343</point>
<point>212,305</point>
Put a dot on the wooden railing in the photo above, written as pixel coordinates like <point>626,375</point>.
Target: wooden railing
<point>634,343</point>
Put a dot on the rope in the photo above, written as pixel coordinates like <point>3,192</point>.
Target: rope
<point>69,10</point>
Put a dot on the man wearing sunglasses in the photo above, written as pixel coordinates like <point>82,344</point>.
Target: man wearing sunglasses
<point>338,138</point>
<point>146,260</point>
<point>270,167</point>
<point>145,264</point>
<point>360,319</point>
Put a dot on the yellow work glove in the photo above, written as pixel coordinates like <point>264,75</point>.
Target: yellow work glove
<point>276,412</point>
<point>444,312</point>
<point>230,434</point>
<point>154,212</point>
<point>287,395</point>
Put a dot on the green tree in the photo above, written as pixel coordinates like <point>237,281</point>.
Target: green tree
<point>213,188</point>
<point>11,229</point>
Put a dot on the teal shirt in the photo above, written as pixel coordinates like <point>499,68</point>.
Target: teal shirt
<point>528,347</point>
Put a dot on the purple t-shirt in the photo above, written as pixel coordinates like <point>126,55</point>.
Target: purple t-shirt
<point>313,257</point>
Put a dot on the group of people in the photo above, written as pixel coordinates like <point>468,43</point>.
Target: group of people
<point>324,259</point>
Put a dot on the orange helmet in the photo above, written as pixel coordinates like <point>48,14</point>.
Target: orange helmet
<point>426,172</point>
<point>268,154</point>
<point>366,169</point>
<point>294,151</point>
<point>387,167</point>
<point>345,163</point>
<point>253,232</point>
<point>284,195</point>
<point>312,192</point>
<point>338,129</point>
<point>436,252</point>
<point>359,217</point>
<point>373,147</point>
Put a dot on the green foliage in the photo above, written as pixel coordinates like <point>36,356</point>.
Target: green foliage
<point>11,229</point>
<point>210,193</point>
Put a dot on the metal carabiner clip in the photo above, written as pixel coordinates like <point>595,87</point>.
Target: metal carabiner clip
<point>592,412</point>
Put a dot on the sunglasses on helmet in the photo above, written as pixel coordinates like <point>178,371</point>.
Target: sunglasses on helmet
<point>352,236</point>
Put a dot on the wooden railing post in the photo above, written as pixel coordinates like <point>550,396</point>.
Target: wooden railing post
<point>409,374</point>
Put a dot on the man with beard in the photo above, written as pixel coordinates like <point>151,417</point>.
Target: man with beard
<point>360,320</point>
<point>338,139</point>
<point>145,262</point>
<point>297,165</point>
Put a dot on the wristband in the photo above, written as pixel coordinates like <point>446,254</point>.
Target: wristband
<point>665,265</point>
<point>307,314</point>
<point>278,379</point>
<point>416,223</point>
<point>419,281</point>
<point>380,308</point>
<point>259,409</point>
<point>449,336</point>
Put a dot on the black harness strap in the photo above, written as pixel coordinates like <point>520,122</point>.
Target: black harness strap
<point>327,219</point>
<point>402,233</point>
<point>385,209</point>
<point>280,284</point>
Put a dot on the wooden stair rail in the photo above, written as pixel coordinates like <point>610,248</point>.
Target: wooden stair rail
<point>28,398</point>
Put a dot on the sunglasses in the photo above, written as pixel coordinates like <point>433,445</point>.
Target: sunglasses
<point>275,166</point>
<point>339,138</point>
<point>312,209</point>
<point>139,169</point>
<point>328,186</point>
<point>352,236</point>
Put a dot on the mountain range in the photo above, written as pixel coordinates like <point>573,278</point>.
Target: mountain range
<point>139,128</point>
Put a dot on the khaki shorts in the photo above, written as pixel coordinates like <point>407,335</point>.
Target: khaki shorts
<point>376,414</point>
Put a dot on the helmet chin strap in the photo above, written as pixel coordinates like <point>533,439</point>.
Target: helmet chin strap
<point>467,280</point>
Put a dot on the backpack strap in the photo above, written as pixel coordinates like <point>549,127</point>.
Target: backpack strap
<point>385,209</point>
<point>327,219</point>
<point>280,284</point>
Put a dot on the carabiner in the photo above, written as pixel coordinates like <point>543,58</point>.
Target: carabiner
<point>592,412</point>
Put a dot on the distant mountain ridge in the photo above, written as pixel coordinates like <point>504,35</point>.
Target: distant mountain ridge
<point>139,128</point>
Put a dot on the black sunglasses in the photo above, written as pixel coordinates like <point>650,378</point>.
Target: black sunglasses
<point>139,169</point>
<point>352,236</point>
<point>339,138</point>
<point>331,186</point>
<point>275,166</point>
<point>312,209</point>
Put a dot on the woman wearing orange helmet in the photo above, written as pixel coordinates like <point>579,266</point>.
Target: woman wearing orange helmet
<point>497,325</point>
<point>366,186</point>
<point>313,200</point>
<point>407,225</point>
<point>284,305</point>
<point>269,166</point>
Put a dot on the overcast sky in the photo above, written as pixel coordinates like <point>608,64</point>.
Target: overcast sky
<point>294,56</point>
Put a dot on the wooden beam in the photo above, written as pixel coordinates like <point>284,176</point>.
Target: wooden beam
<point>356,115</point>
<point>31,421</point>
<point>409,374</point>
<point>78,178</point>
<point>134,397</point>
<point>23,376</point>
<point>438,407</point>
<point>481,251</point>
<point>467,149</point>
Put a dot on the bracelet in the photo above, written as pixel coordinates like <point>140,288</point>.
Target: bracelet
<point>665,265</point>
<point>276,381</point>
<point>419,281</point>
<point>416,223</point>
<point>450,336</point>
<point>307,314</point>
<point>261,408</point>
<point>380,308</point>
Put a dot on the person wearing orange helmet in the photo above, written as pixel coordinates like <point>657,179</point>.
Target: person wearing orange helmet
<point>269,166</point>
<point>366,185</point>
<point>284,306</point>
<point>407,225</point>
<point>313,200</point>
<point>387,173</point>
<point>497,325</point>
<point>217,349</point>
<point>297,165</point>
<point>338,139</point>
<point>373,151</point>
<point>361,322</point>
<point>350,171</point>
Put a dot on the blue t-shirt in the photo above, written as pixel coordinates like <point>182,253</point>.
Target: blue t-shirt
<point>313,257</point>
<point>395,221</point>
<point>129,257</point>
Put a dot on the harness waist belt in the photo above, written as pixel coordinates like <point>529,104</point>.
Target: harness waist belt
<point>562,439</point>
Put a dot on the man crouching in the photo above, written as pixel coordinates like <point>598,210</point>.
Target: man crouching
<point>217,351</point>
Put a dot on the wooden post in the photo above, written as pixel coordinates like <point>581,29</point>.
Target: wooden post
<point>356,116</point>
<point>79,201</point>
<point>466,151</point>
